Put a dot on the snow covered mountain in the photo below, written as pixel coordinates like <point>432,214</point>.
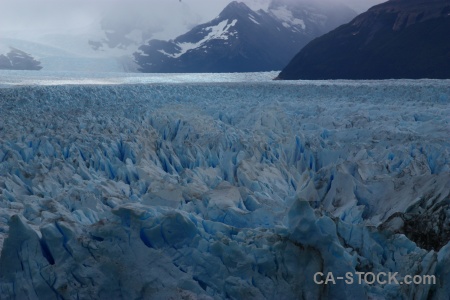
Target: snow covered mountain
<point>240,39</point>
<point>224,190</point>
<point>396,39</point>
<point>16,59</point>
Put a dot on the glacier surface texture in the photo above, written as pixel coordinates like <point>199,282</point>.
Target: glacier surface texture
<point>223,190</point>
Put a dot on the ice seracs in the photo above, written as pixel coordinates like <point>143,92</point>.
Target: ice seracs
<point>223,190</point>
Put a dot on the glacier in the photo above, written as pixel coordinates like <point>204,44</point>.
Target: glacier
<point>228,186</point>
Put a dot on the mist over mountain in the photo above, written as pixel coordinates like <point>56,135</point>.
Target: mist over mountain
<point>95,35</point>
<point>243,40</point>
<point>396,39</point>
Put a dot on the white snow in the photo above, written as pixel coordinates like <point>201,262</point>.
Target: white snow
<point>253,19</point>
<point>163,52</point>
<point>296,21</point>
<point>220,31</point>
<point>283,14</point>
<point>216,186</point>
<point>285,24</point>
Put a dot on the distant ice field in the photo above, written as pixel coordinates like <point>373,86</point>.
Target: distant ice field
<point>221,186</point>
<point>13,78</point>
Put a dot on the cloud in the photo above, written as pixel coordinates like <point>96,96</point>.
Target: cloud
<point>50,15</point>
<point>166,18</point>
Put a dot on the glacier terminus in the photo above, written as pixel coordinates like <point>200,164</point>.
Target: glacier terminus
<point>221,186</point>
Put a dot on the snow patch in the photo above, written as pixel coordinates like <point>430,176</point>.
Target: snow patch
<point>299,22</point>
<point>220,31</point>
<point>283,14</point>
<point>253,19</point>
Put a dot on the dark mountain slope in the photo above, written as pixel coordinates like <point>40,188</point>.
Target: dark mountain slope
<point>397,39</point>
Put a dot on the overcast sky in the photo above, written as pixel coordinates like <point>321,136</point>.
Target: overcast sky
<point>168,17</point>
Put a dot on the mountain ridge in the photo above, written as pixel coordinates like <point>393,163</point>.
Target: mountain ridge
<point>238,40</point>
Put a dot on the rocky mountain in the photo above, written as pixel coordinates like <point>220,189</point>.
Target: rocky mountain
<point>243,40</point>
<point>16,59</point>
<point>396,39</point>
